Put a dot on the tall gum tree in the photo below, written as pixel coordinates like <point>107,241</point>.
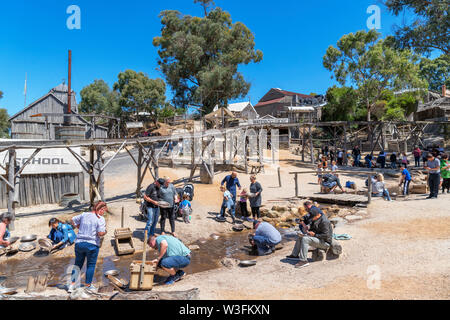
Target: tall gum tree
<point>199,57</point>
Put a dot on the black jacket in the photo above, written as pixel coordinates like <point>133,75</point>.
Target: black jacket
<point>322,228</point>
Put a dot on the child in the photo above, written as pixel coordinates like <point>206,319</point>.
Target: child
<point>319,173</point>
<point>186,208</point>
<point>227,203</point>
<point>405,159</point>
<point>243,204</point>
<point>405,179</point>
<point>445,173</point>
<point>334,167</point>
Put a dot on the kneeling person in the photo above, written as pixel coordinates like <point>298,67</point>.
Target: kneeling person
<point>61,234</point>
<point>319,236</point>
<point>173,256</point>
<point>265,238</point>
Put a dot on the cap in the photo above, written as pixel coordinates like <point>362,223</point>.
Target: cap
<point>161,181</point>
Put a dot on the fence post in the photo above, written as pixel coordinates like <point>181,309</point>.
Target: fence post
<point>296,185</point>
<point>369,186</point>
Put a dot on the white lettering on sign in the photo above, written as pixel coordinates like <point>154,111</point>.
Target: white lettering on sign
<point>47,161</point>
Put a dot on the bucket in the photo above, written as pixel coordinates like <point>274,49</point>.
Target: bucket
<point>70,133</point>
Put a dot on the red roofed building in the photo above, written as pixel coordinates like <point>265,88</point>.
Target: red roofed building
<point>292,105</point>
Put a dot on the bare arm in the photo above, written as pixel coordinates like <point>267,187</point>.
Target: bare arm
<point>2,234</point>
<point>162,251</point>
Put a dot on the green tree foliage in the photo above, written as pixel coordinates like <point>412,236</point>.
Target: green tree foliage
<point>429,30</point>
<point>436,72</point>
<point>169,111</point>
<point>98,98</point>
<point>4,123</point>
<point>342,104</point>
<point>372,65</point>
<point>200,57</point>
<point>1,94</point>
<point>139,93</point>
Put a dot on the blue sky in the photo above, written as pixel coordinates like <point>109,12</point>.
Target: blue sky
<point>117,35</point>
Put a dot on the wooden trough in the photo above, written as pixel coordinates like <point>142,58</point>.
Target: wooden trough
<point>124,241</point>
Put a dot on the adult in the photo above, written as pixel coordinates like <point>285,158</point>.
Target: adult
<point>445,173</point>
<point>91,228</point>
<point>340,157</point>
<point>168,193</point>
<point>405,180</point>
<point>417,154</point>
<point>5,221</point>
<point>319,235</point>
<point>434,175</point>
<point>382,159</point>
<point>256,201</point>
<point>231,182</point>
<point>379,188</point>
<point>265,237</point>
<point>324,162</point>
<point>61,234</point>
<point>393,159</point>
<point>173,256</point>
<point>368,158</point>
<point>330,182</point>
<point>152,197</point>
<point>356,156</point>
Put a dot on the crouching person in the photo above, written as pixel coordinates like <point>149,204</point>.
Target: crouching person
<point>265,238</point>
<point>61,234</point>
<point>318,236</point>
<point>173,256</point>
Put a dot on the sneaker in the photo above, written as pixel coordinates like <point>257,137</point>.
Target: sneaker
<point>291,257</point>
<point>91,289</point>
<point>170,280</point>
<point>180,275</point>
<point>302,264</point>
<point>71,288</point>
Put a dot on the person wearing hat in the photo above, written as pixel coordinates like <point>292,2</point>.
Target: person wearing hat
<point>152,196</point>
<point>5,221</point>
<point>61,234</point>
<point>265,237</point>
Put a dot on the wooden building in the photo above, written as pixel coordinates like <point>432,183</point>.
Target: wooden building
<point>23,126</point>
<point>291,105</point>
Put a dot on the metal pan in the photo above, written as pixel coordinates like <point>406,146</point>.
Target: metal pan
<point>219,219</point>
<point>238,227</point>
<point>13,239</point>
<point>113,272</point>
<point>247,263</point>
<point>116,281</point>
<point>163,204</point>
<point>26,247</point>
<point>45,244</point>
<point>8,291</point>
<point>28,238</point>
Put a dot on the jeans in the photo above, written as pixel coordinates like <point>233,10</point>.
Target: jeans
<point>167,213</point>
<point>417,161</point>
<point>384,194</point>
<point>231,208</point>
<point>153,215</point>
<point>433,181</point>
<point>446,184</point>
<point>405,189</point>
<point>264,245</point>
<point>383,162</point>
<point>176,262</point>
<point>394,165</point>
<point>302,246</point>
<point>83,251</point>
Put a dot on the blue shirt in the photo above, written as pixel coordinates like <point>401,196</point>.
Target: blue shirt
<point>231,184</point>
<point>89,227</point>
<point>267,230</point>
<point>185,203</point>
<point>407,175</point>
<point>64,232</point>
<point>175,248</point>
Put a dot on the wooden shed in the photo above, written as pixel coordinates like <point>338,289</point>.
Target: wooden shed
<point>23,126</point>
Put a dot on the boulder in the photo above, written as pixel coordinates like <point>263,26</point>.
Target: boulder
<point>352,218</point>
<point>302,211</point>
<point>280,208</point>
<point>229,262</point>
<point>273,214</point>
<point>194,247</point>
<point>287,217</point>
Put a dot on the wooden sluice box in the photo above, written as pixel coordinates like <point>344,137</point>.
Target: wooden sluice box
<point>142,280</point>
<point>124,241</point>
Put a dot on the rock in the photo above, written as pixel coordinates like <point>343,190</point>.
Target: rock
<point>336,221</point>
<point>287,217</point>
<point>279,208</point>
<point>273,214</point>
<point>344,212</point>
<point>302,211</point>
<point>267,219</point>
<point>229,262</point>
<point>353,218</point>
<point>215,236</point>
<point>362,212</point>
<point>194,247</point>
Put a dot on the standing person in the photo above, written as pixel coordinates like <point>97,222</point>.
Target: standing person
<point>318,236</point>
<point>382,159</point>
<point>5,235</point>
<point>340,158</point>
<point>92,227</point>
<point>417,153</point>
<point>151,197</point>
<point>61,234</point>
<point>227,203</point>
<point>393,160</point>
<point>356,155</point>
<point>243,204</point>
<point>334,167</point>
<point>405,159</point>
<point>324,162</point>
<point>265,237</point>
<point>232,182</point>
<point>319,173</point>
<point>445,173</point>
<point>256,201</point>
<point>405,180</point>
<point>168,194</point>
<point>186,208</point>
<point>434,175</point>
<point>424,156</point>
<point>173,256</point>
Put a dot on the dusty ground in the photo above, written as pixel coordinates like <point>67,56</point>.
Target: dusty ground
<point>406,240</point>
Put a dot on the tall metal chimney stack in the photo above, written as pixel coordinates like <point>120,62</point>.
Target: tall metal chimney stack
<point>69,89</point>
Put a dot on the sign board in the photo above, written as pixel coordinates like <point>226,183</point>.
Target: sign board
<point>269,121</point>
<point>134,125</point>
<point>47,161</point>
